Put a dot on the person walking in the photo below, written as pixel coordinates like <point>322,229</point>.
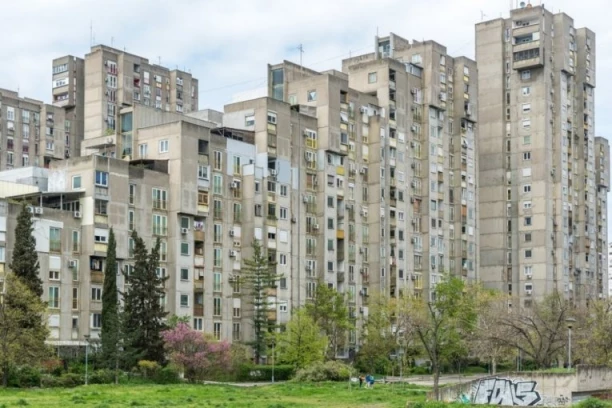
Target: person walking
<point>360,380</point>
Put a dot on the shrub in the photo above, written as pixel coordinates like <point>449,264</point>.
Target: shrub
<point>24,377</point>
<point>148,368</point>
<point>593,403</point>
<point>103,376</point>
<point>328,371</point>
<point>264,373</point>
<point>67,380</point>
<point>53,366</point>
<point>419,370</point>
<point>167,375</point>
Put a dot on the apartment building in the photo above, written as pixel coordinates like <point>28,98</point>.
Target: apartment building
<point>108,79</point>
<point>602,166</point>
<point>538,179</point>
<point>33,133</point>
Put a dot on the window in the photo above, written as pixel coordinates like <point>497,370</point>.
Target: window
<point>184,300</point>
<point>54,275</point>
<point>160,224</point>
<point>527,188</point>
<point>96,320</point>
<point>185,248</point>
<point>527,221</point>
<point>282,259</point>
<point>101,178</point>
<point>526,140</point>
<point>163,146</point>
<point>283,213</point>
<point>198,323</point>
<point>75,298</point>
<point>526,90</point>
<point>330,201</point>
<point>526,107</point>
<point>372,77</point>
<point>283,190</point>
<point>142,150</point>
<point>203,172</point>
<point>96,294</point>
<point>528,237</point>
<point>76,182</point>
<point>526,123</point>
<point>54,297</point>
<point>312,96</point>
<point>528,253</point>
<point>217,330</point>
<point>217,160</point>
<point>526,205</point>
<point>217,306</point>
<point>160,198</point>
<point>526,74</point>
<point>249,120</point>
<point>526,155</point>
<point>283,307</point>
<point>272,117</point>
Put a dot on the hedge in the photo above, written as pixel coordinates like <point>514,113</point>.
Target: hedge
<point>257,373</point>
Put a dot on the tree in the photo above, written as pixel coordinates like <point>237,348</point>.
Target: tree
<point>21,341</point>
<point>143,310</point>
<point>539,331</point>
<point>593,341</point>
<point>24,263</point>
<point>330,313</point>
<point>259,277</point>
<point>301,344</point>
<point>443,324</point>
<point>193,353</point>
<point>492,307</point>
<point>378,337</point>
<point>110,308</point>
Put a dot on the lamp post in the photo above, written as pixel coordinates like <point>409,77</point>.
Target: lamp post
<point>86,337</point>
<point>273,358</point>
<point>570,323</point>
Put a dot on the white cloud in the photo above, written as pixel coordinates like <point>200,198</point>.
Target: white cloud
<point>228,44</point>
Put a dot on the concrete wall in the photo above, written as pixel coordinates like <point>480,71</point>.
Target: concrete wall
<point>531,388</point>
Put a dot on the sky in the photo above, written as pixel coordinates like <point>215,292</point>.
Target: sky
<point>228,44</point>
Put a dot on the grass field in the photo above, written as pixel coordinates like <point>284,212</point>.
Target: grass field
<point>264,396</point>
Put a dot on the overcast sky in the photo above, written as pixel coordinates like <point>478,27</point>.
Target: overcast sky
<point>227,44</point>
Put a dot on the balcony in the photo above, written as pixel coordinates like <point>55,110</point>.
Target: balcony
<point>340,277</point>
<point>198,310</point>
<point>97,277</point>
<point>100,247</point>
<point>198,261</point>
<point>198,235</point>
<point>101,219</point>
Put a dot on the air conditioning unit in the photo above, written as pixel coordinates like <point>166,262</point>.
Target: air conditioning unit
<point>273,172</point>
<point>412,240</point>
<point>529,276</point>
<point>412,144</point>
<point>363,213</point>
<point>231,233</point>
<point>413,128</point>
<point>76,214</point>
<point>361,309</point>
<point>234,185</point>
<point>237,244</point>
<point>413,277</point>
<point>184,230</point>
<point>412,200</point>
<point>528,292</point>
<point>363,110</point>
<point>315,226</point>
<point>232,253</point>
<point>304,199</point>
<point>361,250</point>
<point>414,91</point>
<point>72,264</point>
<point>433,266</point>
<point>363,170</point>
<point>38,210</point>
<point>201,274</point>
<point>293,220</point>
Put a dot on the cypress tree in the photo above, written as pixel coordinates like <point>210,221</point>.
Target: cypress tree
<point>143,311</point>
<point>110,307</point>
<point>24,263</point>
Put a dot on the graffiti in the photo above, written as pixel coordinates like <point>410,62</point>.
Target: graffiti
<point>463,399</point>
<point>500,391</point>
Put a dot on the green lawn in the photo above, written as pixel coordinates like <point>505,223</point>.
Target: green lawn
<point>264,396</point>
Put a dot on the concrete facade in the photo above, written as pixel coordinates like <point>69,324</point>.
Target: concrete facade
<point>537,175</point>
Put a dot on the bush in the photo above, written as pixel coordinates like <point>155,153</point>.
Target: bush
<point>24,377</point>
<point>148,368</point>
<point>264,373</point>
<point>167,375</point>
<point>593,403</point>
<point>328,371</point>
<point>420,370</point>
<point>103,376</point>
<point>67,380</point>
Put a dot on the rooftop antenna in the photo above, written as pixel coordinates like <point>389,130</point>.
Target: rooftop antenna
<point>482,15</point>
<point>301,49</point>
<point>159,60</point>
<point>91,33</point>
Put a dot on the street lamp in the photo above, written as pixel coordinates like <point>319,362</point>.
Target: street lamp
<point>570,323</point>
<point>86,336</point>
<point>273,358</point>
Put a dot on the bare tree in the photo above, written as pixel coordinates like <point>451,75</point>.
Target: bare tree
<point>539,332</point>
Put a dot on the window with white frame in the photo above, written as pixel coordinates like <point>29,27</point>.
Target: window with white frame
<point>163,146</point>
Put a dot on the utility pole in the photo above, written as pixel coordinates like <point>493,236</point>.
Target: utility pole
<point>301,49</point>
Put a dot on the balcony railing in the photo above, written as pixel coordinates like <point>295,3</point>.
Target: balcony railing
<point>55,246</point>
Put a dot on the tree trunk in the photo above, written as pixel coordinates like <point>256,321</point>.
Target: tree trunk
<point>436,381</point>
<point>5,375</point>
<point>493,366</point>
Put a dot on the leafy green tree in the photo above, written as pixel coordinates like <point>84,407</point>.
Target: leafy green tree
<point>378,337</point>
<point>443,324</point>
<point>593,341</point>
<point>329,311</point>
<point>22,329</point>
<point>259,277</point>
<point>143,311</point>
<point>25,258</point>
<point>301,344</point>
<point>109,335</point>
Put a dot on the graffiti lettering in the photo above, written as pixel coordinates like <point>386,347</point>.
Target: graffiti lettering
<point>500,391</point>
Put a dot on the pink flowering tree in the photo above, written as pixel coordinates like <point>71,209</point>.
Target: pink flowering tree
<point>193,353</point>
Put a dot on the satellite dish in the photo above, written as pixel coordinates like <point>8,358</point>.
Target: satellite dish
<point>522,4</point>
